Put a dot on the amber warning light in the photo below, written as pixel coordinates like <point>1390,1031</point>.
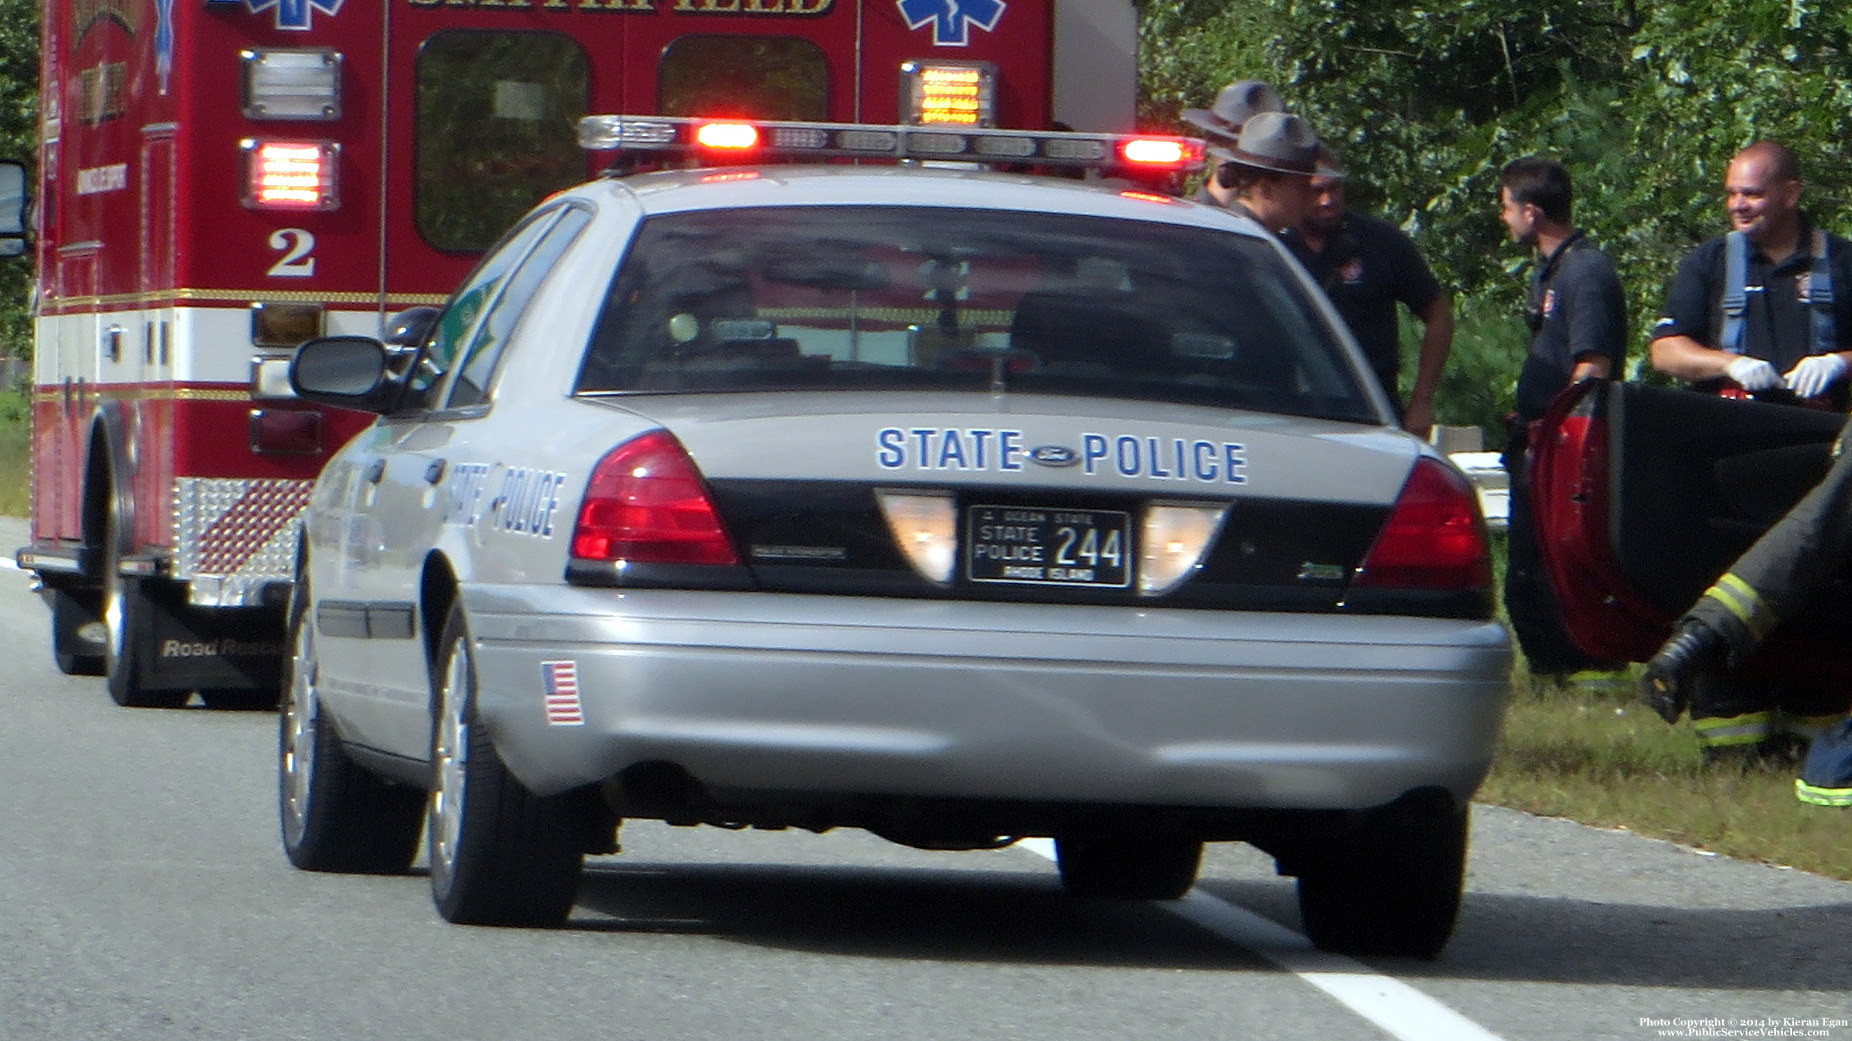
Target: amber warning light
<point>291,175</point>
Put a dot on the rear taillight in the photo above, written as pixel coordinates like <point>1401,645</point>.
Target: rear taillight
<point>646,503</point>
<point>291,175</point>
<point>1434,538</point>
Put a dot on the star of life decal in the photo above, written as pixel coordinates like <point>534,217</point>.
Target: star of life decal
<point>295,14</point>
<point>951,20</point>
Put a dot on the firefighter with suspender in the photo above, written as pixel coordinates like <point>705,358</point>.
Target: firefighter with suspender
<point>1764,310</point>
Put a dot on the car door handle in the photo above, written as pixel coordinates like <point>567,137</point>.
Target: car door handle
<point>377,472</point>
<point>434,472</point>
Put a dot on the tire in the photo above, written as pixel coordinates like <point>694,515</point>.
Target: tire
<point>499,854</point>
<point>335,816</point>
<point>127,617</point>
<point>1393,887</point>
<point>1127,865</point>
<point>73,614</point>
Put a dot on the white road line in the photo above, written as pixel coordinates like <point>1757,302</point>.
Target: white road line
<point>1395,1007</point>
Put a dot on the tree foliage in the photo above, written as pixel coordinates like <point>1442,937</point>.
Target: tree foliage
<point>1645,103</point>
<point>19,133</point>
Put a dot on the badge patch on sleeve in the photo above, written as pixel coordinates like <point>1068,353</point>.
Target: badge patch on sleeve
<point>562,683</point>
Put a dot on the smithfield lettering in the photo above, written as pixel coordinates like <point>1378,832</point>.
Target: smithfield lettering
<point>782,8</point>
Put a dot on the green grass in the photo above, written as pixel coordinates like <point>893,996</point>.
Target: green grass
<point>1604,758</point>
<point>1601,758</point>
<point>15,452</point>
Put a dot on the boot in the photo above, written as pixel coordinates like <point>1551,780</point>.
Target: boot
<point>1666,683</point>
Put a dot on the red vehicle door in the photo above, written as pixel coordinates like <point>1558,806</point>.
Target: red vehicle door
<point>1644,497</point>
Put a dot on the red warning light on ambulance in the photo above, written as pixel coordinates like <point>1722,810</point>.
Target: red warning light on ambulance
<point>291,175</point>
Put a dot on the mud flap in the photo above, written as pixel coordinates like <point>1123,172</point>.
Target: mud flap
<point>184,647</point>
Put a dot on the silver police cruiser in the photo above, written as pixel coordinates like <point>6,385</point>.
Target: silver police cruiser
<point>954,505</point>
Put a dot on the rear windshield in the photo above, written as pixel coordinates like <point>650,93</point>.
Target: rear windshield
<point>909,298</point>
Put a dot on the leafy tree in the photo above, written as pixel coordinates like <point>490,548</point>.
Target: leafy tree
<point>1645,104</point>
<point>19,126</point>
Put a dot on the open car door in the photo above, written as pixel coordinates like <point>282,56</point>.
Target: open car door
<point>1646,495</point>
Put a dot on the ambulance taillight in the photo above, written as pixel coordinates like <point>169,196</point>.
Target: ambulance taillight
<point>291,175</point>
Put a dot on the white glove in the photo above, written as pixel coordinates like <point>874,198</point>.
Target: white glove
<point>1815,373</point>
<point>1753,374</point>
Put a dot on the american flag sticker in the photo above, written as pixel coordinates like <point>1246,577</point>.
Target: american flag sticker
<point>562,683</point>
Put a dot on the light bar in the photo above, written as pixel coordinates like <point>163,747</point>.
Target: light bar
<point>291,175</point>
<point>786,141</point>
<point>948,93</point>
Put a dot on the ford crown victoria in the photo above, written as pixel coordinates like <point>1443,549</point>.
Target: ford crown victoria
<point>951,505</point>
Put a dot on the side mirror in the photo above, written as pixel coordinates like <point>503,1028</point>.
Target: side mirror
<point>411,327</point>
<point>346,372</point>
<point>13,203</point>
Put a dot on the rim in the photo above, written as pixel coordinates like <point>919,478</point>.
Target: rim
<point>449,758</point>
<point>298,729</point>
<point>112,604</point>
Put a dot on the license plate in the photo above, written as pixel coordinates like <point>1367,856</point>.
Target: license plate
<point>1048,546</point>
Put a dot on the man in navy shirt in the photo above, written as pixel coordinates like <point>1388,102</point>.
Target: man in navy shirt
<point>1578,320</point>
<point>1366,266</point>
<point>1766,310</point>
<point>1791,336</point>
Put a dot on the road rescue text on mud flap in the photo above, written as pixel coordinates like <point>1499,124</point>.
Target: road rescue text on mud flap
<point>970,449</point>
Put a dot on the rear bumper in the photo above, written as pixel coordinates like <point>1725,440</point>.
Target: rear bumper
<point>1116,706</point>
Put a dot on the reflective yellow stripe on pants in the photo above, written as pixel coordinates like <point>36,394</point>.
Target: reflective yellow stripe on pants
<point>1730,731</point>
<point>1817,796</point>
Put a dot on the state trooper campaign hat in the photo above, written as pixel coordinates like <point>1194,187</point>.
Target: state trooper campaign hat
<point>1238,102</point>
<point>1273,141</point>
<point>1328,163</point>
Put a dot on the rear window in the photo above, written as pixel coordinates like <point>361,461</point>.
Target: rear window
<point>497,118</point>
<point>907,298</point>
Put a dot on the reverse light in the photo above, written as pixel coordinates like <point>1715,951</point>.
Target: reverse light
<point>925,526</point>
<point>948,94</point>
<point>727,136</point>
<point>1175,537</point>
<point>292,84</point>
<point>1434,538</point>
<point>647,503</point>
<point>291,175</point>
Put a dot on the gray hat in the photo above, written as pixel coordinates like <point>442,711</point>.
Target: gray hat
<point>1273,141</point>
<point>1328,163</point>
<point>1234,106</point>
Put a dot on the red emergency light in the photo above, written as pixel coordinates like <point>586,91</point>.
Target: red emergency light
<point>728,137</point>
<point>1161,151</point>
<point>291,175</point>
